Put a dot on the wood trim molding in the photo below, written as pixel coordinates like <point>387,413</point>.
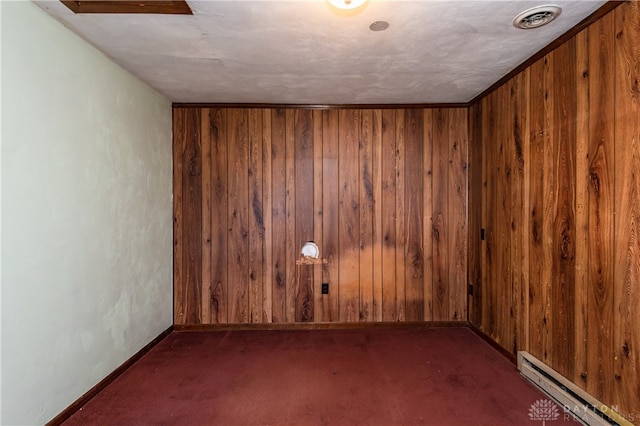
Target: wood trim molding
<point>511,357</point>
<point>606,8</point>
<point>322,107</point>
<point>414,325</point>
<point>80,402</point>
<point>178,7</point>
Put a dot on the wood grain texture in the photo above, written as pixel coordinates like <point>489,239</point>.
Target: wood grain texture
<point>267,209</point>
<point>304,184</point>
<point>457,226</point>
<point>525,119</point>
<point>599,174</point>
<point>538,297</point>
<point>563,272</point>
<point>520,143</point>
<point>206,195</point>
<point>178,143</point>
<point>278,216</point>
<point>582,209</point>
<point>179,7</point>
<point>349,216</point>
<point>427,213</point>
<point>367,216</point>
<point>218,290</point>
<point>238,216</point>
<point>256,217</point>
<point>474,214</point>
<point>188,243</point>
<point>489,303</point>
<point>439,235</point>
<point>548,186</point>
<point>560,198</point>
<point>414,213</point>
<point>626,323</point>
<point>388,209</point>
<point>256,184</point>
<point>377,153</point>
<point>400,218</point>
<point>292,249</point>
<point>318,213</point>
<point>330,209</point>
<point>501,229</point>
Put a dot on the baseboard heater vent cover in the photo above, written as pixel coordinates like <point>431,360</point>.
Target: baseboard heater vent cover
<point>582,405</point>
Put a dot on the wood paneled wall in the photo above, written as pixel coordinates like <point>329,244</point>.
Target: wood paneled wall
<point>559,270</point>
<point>383,192</point>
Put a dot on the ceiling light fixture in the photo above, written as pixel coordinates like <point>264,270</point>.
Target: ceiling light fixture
<point>537,16</point>
<point>347,4</point>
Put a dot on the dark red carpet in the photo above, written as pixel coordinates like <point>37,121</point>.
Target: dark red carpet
<point>440,376</point>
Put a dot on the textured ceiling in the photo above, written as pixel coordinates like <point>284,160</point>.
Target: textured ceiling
<point>305,52</point>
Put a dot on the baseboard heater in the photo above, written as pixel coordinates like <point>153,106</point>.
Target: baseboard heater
<point>584,407</point>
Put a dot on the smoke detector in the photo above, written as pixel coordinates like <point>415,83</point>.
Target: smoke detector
<point>536,16</point>
<point>379,26</point>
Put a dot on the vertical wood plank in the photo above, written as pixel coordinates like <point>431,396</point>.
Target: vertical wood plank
<point>476,205</point>
<point>440,184</point>
<point>600,175</point>
<point>457,226</point>
<point>179,115</point>
<point>238,214</point>
<point>278,212</point>
<point>349,216</point>
<point>502,223</point>
<point>626,322</point>
<point>538,337</point>
<point>414,214</point>
<point>330,220</point>
<point>256,217</point>
<point>503,219</point>
<point>304,213</point>
<point>366,202</point>
<point>525,110</point>
<point>427,221</point>
<point>292,249</point>
<point>519,142</point>
<point>563,289</point>
<point>487,322</point>
<point>267,211</point>
<point>519,274</point>
<point>317,212</point>
<point>401,237</point>
<point>188,293</point>
<point>378,234</point>
<point>523,115</point>
<point>219,209</point>
<point>388,177</point>
<point>548,210</point>
<point>582,209</point>
<point>206,216</point>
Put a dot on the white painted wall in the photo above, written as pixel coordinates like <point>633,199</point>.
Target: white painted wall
<point>0,213</point>
<point>86,215</point>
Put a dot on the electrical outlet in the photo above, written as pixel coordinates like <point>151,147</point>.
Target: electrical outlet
<point>325,288</point>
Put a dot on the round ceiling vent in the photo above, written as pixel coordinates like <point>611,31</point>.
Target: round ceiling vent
<point>536,17</point>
